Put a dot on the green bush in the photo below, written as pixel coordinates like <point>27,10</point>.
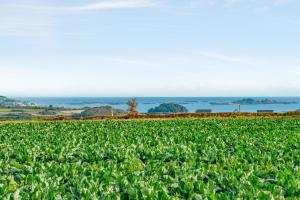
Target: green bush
<point>168,108</point>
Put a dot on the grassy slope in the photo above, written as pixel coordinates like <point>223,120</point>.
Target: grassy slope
<point>156,159</point>
<point>4,111</point>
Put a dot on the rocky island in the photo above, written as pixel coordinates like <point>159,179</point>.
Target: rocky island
<point>250,101</point>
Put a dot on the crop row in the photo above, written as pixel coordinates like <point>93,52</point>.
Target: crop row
<point>151,159</point>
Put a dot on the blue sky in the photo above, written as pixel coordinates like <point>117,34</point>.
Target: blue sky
<point>150,47</point>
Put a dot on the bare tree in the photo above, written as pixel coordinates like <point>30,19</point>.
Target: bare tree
<point>132,104</point>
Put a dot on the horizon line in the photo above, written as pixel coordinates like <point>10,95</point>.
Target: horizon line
<point>153,96</point>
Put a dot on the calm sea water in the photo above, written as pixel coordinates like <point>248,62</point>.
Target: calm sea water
<point>145,103</point>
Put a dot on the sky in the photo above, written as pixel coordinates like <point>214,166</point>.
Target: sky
<point>107,48</point>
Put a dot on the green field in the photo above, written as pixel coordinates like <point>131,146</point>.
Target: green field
<point>4,111</point>
<point>162,159</point>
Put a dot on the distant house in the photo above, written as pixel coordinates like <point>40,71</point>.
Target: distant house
<point>204,111</point>
<point>265,111</point>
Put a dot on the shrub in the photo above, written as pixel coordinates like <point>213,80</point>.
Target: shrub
<point>132,104</point>
<point>168,108</point>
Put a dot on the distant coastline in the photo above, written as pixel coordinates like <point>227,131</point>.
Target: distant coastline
<point>216,104</point>
<point>250,101</point>
<point>6,102</point>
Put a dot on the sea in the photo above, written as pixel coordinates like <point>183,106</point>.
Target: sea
<point>145,103</point>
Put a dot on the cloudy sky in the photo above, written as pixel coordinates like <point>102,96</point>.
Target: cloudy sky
<point>150,47</point>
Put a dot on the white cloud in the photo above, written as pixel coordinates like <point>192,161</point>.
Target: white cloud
<point>113,5</point>
<point>101,5</point>
<point>230,3</point>
<point>270,2</point>
<point>15,21</point>
<point>126,61</point>
<point>42,19</point>
<point>224,58</point>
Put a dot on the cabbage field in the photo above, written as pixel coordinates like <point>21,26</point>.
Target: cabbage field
<point>151,159</point>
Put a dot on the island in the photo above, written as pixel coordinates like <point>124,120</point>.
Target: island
<point>250,101</point>
<point>168,108</point>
